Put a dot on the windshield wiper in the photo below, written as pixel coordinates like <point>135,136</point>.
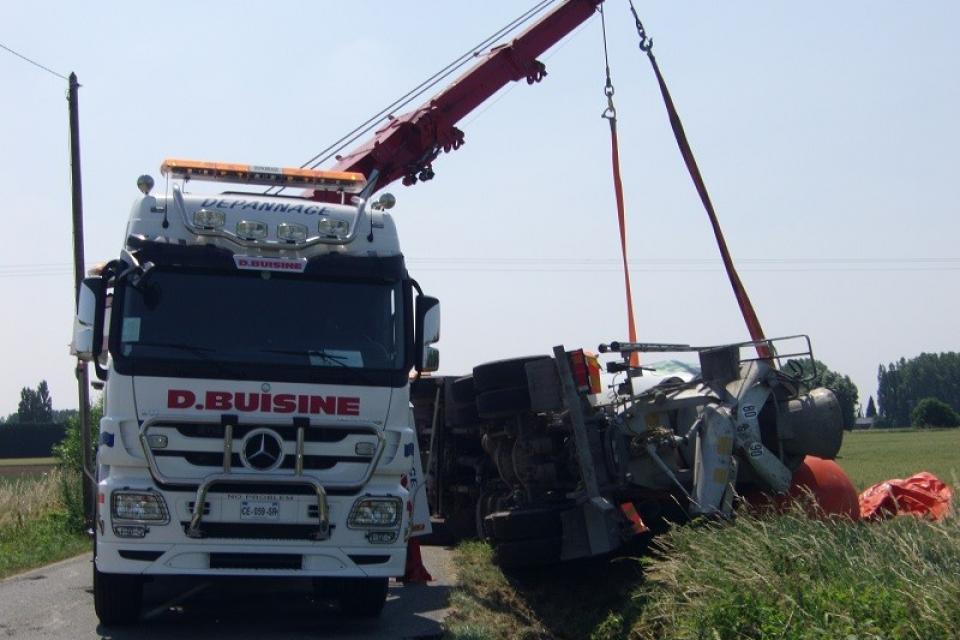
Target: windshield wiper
<point>340,361</point>
<point>337,360</point>
<point>201,352</point>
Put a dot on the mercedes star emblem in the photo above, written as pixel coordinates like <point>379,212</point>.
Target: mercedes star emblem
<point>262,450</point>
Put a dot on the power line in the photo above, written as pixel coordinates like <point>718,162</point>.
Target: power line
<point>374,121</point>
<point>600,262</point>
<point>602,265</point>
<point>34,63</point>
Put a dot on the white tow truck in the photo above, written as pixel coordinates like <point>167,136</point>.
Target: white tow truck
<point>256,352</point>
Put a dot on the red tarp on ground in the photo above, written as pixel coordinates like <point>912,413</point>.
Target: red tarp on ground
<point>922,494</point>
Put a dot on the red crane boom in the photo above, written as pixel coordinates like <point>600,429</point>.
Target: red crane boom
<point>407,146</point>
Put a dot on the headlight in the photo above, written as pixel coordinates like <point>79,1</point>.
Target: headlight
<point>209,218</point>
<point>251,230</point>
<point>291,232</point>
<point>139,506</point>
<point>333,227</point>
<point>375,513</point>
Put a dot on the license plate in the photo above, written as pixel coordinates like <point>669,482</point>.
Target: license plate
<point>259,509</point>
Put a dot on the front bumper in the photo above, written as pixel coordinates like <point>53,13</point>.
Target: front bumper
<point>208,559</point>
<point>286,546</point>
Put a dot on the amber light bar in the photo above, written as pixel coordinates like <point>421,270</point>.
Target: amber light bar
<point>347,181</point>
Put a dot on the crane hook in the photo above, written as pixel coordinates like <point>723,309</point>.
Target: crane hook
<point>646,42</point>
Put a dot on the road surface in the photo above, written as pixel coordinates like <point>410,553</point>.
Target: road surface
<point>57,602</point>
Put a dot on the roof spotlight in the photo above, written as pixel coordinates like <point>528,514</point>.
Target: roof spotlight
<point>145,184</point>
<point>386,201</point>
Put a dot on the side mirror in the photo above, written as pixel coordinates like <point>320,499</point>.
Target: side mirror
<point>431,359</point>
<point>88,323</point>
<point>427,333</point>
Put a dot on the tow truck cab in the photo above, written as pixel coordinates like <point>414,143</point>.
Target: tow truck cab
<point>255,351</point>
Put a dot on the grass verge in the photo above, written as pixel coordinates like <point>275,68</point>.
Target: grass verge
<point>37,523</point>
<point>39,541</point>
<point>573,600</point>
<point>795,578</point>
<point>783,576</point>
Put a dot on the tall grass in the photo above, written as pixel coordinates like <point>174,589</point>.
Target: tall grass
<point>70,454</point>
<point>29,497</point>
<point>793,577</point>
<point>36,525</point>
<point>42,518</point>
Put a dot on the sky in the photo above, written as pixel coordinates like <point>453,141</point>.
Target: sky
<point>826,132</point>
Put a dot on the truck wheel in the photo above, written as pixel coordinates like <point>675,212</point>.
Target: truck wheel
<point>117,597</point>
<point>524,524</point>
<point>362,597</point>
<point>527,553</point>
<point>503,402</point>
<point>502,374</point>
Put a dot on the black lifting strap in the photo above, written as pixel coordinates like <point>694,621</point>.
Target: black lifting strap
<point>743,300</point>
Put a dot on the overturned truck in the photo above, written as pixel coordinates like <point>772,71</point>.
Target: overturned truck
<point>548,463</point>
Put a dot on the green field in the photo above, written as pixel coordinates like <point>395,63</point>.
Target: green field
<point>874,456</point>
<point>18,462</point>
<point>12,469</point>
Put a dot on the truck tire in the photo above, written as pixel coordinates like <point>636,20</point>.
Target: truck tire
<point>117,597</point>
<point>502,374</point>
<point>362,597</point>
<point>503,402</point>
<point>524,524</point>
<point>527,553</point>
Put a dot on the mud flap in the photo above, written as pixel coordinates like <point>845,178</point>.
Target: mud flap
<point>591,529</point>
<point>420,519</point>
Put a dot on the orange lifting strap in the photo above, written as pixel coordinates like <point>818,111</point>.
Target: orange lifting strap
<point>610,113</point>
<point>743,300</point>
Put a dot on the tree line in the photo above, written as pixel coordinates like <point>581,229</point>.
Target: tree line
<point>36,407</point>
<point>903,386</point>
<point>921,391</point>
<point>820,375</point>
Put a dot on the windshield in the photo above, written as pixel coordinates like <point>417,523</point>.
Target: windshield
<point>258,320</point>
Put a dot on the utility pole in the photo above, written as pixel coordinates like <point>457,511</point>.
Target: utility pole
<point>83,379</point>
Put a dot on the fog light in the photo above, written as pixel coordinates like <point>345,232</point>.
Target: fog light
<point>252,230</point>
<point>139,506</point>
<point>365,449</point>
<point>157,441</point>
<point>129,531</point>
<point>209,219</point>
<point>369,513</point>
<point>381,537</point>
<point>333,227</point>
<point>291,232</point>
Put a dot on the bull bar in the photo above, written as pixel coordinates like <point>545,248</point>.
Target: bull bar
<point>228,476</point>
